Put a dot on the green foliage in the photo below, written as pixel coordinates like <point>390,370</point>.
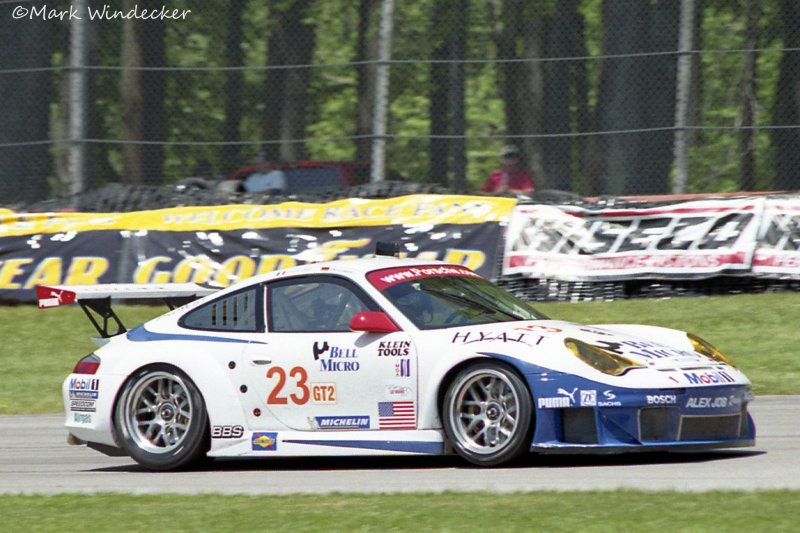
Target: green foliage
<point>196,93</point>
<point>714,161</point>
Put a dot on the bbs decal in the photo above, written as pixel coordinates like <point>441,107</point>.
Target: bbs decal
<point>227,432</point>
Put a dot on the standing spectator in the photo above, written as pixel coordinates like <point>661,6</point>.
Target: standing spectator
<point>511,177</point>
<point>266,178</point>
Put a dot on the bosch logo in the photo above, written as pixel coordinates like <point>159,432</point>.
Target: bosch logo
<point>662,399</point>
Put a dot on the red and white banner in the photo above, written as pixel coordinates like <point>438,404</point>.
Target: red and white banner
<point>694,239</point>
<point>778,248</point>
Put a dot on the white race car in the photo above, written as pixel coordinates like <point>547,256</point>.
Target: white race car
<point>386,356</point>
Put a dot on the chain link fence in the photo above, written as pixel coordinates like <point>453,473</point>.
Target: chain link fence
<point>602,98</point>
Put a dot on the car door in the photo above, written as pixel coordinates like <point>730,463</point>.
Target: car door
<point>314,374</point>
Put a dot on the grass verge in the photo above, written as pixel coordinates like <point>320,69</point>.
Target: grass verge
<point>612,511</point>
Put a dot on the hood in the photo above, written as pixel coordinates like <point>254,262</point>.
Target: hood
<point>618,354</point>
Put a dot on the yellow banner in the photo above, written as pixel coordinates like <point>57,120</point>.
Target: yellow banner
<point>353,212</point>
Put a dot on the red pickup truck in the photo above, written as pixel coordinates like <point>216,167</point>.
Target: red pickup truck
<point>304,177</point>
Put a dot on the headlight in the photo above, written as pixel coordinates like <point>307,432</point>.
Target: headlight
<point>599,359</point>
<point>706,348</point>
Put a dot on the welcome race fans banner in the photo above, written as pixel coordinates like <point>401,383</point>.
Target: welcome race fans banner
<point>689,240</point>
<point>224,243</point>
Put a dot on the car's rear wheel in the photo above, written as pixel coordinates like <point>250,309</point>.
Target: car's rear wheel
<point>487,414</point>
<point>161,419</point>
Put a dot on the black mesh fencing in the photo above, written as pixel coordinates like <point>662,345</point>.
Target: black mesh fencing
<point>600,98</point>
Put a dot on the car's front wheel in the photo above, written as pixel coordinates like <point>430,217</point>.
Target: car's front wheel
<point>487,414</point>
<point>161,419</point>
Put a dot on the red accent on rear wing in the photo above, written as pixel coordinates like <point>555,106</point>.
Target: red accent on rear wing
<point>58,295</point>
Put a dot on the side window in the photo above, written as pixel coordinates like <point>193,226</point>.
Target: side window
<point>314,304</point>
<point>235,312</point>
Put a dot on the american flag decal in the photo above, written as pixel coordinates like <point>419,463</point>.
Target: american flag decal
<point>403,368</point>
<point>397,415</point>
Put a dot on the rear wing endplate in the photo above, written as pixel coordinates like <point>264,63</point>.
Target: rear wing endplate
<point>95,300</point>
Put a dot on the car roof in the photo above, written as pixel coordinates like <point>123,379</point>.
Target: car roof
<point>354,266</point>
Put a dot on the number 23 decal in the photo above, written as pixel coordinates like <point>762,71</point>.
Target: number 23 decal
<point>301,393</point>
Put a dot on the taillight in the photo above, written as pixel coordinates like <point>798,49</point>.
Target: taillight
<point>87,365</point>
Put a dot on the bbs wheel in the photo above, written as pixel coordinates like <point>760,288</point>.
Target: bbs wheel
<point>161,418</point>
<point>487,414</point>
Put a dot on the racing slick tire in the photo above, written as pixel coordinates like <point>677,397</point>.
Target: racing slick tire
<point>487,413</point>
<point>161,419</point>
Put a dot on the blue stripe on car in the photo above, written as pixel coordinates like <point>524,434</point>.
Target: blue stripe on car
<point>395,446</point>
<point>141,334</point>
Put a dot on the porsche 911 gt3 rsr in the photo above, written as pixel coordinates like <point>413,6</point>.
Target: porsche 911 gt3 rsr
<point>385,356</point>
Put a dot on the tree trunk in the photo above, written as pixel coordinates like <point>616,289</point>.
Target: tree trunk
<point>234,80</point>
<point>458,52</point>
<point>441,27</point>
<point>291,42</point>
<point>786,113</point>
<point>636,93</point>
<point>522,83</point>
<point>366,53</point>
<point>143,91</point>
<point>447,153</point>
<point>562,42</point>
<point>26,98</point>
<point>747,145</point>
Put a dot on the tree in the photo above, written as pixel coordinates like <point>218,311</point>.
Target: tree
<point>449,25</point>
<point>786,113</point>
<point>234,80</point>
<point>290,43</point>
<point>26,92</point>
<point>143,92</point>
<point>366,53</point>
<point>747,148</point>
<point>521,36</point>
<point>563,42</point>
<point>637,92</point>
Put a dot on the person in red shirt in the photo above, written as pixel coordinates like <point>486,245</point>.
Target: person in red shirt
<point>511,177</point>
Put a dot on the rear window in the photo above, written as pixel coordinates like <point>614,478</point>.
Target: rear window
<point>235,312</point>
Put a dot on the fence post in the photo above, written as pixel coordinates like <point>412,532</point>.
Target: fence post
<point>378,170</point>
<point>683,80</point>
<point>77,99</point>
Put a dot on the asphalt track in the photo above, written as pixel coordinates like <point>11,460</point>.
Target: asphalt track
<point>34,458</point>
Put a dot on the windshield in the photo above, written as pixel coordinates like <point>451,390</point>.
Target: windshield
<point>444,301</point>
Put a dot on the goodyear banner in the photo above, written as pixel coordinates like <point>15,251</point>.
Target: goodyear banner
<point>696,239</point>
<point>225,243</point>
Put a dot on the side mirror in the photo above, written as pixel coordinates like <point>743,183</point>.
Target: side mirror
<point>373,322</point>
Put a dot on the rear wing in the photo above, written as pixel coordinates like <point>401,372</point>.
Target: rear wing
<point>95,300</point>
